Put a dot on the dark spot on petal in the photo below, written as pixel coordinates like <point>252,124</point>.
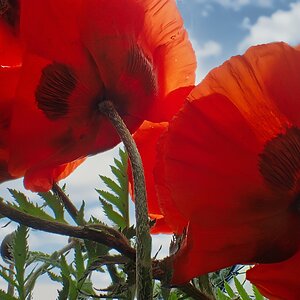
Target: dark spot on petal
<point>56,85</point>
<point>279,163</point>
<point>138,66</point>
<point>10,11</point>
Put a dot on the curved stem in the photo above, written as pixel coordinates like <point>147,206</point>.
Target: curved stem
<point>83,232</point>
<point>143,251</point>
<point>43,268</point>
<point>68,204</point>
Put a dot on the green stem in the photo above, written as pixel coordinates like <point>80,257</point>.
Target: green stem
<point>68,204</point>
<point>43,268</point>
<point>104,235</point>
<point>143,251</point>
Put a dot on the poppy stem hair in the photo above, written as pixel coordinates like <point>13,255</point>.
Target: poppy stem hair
<point>143,250</point>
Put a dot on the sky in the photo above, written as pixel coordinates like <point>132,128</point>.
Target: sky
<point>218,29</point>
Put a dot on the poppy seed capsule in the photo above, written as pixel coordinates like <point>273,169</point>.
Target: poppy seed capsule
<point>6,248</point>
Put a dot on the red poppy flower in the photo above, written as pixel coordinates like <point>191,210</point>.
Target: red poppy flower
<point>125,51</point>
<point>229,164</point>
<point>279,281</point>
<point>10,68</point>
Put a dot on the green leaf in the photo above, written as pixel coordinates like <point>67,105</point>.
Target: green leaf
<point>5,275</point>
<point>121,177</point>
<point>241,290</point>
<point>80,216</point>
<point>64,266</point>
<point>54,277</point>
<point>113,199</point>
<point>55,204</point>
<point>257,294</point>
<point>28,207</point>
<point>115,202</point>
<point>79,262</point>
<point>113,215</point>
<point>4,296</point>
<point>20,254</point>
<point>221,295</point>
<point>229,290</point>
<point>63,294</point>
<point>114,187</point>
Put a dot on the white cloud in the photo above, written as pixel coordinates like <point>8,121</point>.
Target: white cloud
<point>203,52</point>
<point>208,49</point>
<point>280,26</point>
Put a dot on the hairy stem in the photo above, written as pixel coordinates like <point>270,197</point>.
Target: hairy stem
<point>68,204</point>
<point>43,268</point>
<point>100,235</point>
<point>143,251</point>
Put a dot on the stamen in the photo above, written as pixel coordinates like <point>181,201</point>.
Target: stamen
<point>55,87</point>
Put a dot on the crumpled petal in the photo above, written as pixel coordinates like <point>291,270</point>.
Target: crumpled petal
<point>278,281</point>
<point>262,83</point>
<point>173,55</point>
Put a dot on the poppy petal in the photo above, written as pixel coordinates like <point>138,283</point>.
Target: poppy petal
<point>252,83</point>
<point>58,22</point>
<point>278,281</point>
<point>208,159</point>
<point>167,39</point>
<point>10,48</point>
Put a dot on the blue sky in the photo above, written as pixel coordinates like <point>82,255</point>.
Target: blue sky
<point>218,30</point>
<point>222,28</point>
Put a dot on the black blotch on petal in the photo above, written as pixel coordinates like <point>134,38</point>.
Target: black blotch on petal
<point>56,84</point>
<point>10,12</point>
<point>138,66</point>
<point>279,163</point>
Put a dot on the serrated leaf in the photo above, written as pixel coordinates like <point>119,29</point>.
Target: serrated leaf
<point>4,296</point>
<point>113,215</point>
<point>221,295</point>
<point>63,294</point>
<point>54,277</point>
<point>69,290</point>
<point>64,266</point>
<point>257,294</point>
<point>28,207</point>
<point>7,278</point>
<point>229,290</point>
<point>79,262</point>
<point>80,217</point>
<point>242,292</point>
<point>121,177</point>
<point>55,204</point>
<point>113,199</point>
<point>20,254</point>
<point>114,187</point>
